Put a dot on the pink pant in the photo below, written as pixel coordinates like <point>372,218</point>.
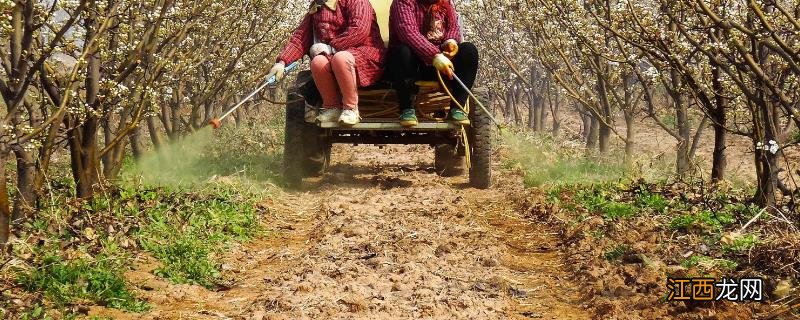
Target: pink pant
<point>335,78</point>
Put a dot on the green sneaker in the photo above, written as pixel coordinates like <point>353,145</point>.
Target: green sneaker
<point>458,116</point>
<point>408,117</point>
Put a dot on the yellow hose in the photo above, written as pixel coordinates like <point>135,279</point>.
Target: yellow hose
<point>464,108</point>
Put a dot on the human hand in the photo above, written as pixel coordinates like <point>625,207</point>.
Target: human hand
<point>444,65</point>
<point>450,48</point>
<point>277,71</point>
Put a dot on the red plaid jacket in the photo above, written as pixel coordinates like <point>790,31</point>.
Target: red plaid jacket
<point>408,26</point>
<point>351,27</point>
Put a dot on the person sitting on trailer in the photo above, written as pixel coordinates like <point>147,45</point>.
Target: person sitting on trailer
<point>425,37</point>
<point>346,49</point>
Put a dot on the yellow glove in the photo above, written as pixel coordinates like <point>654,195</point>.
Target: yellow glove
<point>450,48</point>
<point>444,65</point>
<point>277,71</point>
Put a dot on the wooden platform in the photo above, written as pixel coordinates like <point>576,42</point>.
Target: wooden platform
<point>382,103</point>
<point>392,126</point>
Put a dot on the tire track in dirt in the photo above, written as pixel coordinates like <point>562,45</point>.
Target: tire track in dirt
<point>382,237</point>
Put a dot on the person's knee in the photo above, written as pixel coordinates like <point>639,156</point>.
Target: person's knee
<point>400,55</point>
<point>469,50</point>
<point>320,63</point>
<point>343,58</point>
<point>400,63</point>
<point>406,53</point>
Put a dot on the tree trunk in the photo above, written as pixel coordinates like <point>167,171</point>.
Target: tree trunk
<point>602,95</point>
<point>604,135</point>
<point>84,148</point>
<point>594,131</point>
<point>27,195</point>
<point>531,111</point>
<point>630,132</point>
<point>175,114</point>
<point>509,105</point>
<point>518,119</point>
<point>209,112</point>
<point>719,118</point>
<point>586,130</point>
<point>683,161</point>
<point>548,90</point>
<point>536,120</point>
<point>766,128</point>
<point>719,157</point>
<point>767,168</point>
<point>556,119</point>
<point>155,135</point>
<point>539,113</point>
<point>112,161</point>
<point>628,110</point>
<point>5,205</point>
<point>542,115</point>
<point>137,147</point>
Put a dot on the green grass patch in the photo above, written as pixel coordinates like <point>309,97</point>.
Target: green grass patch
<point>618,210</point>
<point>669,120</point>
<point>548,164</point>
<point>708,263</point>
<point>591,199</point>
<point>186,238</point>
<point>67,282</point>
<point>748,211</point>
<point>184,204</point>
<point>554,195</point>
<point>702,220</point>
<point>36,311</point>
<point>186,259</point>
<point>595,200</point>
<point>569,171</point>
<point>196,159</point>
<point>652,201</point>
<point>597,233</point>
<point>683,222</point>
<point>185,232</point>
<point>616,253</point>
<point>740,243</point>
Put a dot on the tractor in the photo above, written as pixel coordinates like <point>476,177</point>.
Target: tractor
<point>307,148</point>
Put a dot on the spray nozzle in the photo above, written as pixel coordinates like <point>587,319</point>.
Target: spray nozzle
<point>215,123</point>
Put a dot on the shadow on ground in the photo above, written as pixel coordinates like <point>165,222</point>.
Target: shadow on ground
<point>360,176</point>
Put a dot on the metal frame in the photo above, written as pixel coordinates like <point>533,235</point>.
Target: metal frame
<point>391,126</point>
<point>391,137</point>
<point>380,124</point>
<point>389,131</point>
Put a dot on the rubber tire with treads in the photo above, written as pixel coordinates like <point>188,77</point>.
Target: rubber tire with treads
<point>447,162</point>
<point>305,151</point>
<point>481,136</point>
<point>316,151</point>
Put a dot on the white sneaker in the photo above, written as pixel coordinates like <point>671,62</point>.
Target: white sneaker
<point>349,117</point>
<point>328,115</point>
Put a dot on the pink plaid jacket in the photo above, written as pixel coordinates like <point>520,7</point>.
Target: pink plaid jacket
<point>351,27</point>
<point>408,26</point>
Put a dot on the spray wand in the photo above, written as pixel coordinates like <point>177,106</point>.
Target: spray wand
<point>217,122</point>
<point>469,92</point>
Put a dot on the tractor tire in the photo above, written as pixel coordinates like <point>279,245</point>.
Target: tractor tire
<point>448,162</point>
<point>305,151</point>
<point>481,137</point>
<point>316,151</point>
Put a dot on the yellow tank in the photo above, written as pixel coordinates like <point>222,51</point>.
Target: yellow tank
<point>381,8</point>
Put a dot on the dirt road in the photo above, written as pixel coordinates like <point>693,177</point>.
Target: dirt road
<point>383,237</point>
